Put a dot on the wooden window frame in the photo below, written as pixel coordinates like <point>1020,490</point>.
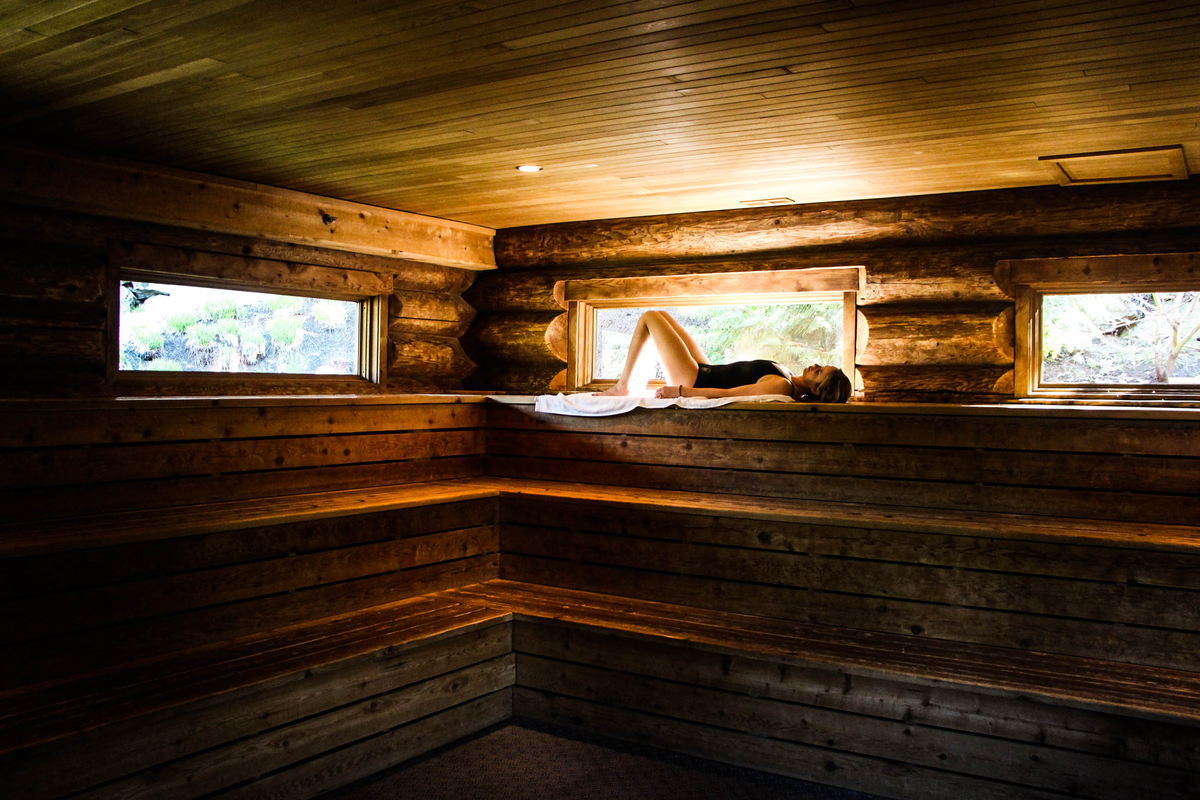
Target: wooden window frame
<point>1032,279</point>
<point>583,297</point>
<point>153,263</point>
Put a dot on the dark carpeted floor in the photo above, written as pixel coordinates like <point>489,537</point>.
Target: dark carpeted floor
<point>525,760</point>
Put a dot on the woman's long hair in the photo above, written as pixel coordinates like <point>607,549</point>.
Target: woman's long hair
<point>834,389</point>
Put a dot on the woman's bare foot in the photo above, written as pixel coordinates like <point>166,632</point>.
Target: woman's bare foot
<point>615,390</point>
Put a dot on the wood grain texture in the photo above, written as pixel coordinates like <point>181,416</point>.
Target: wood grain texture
<point>659,109</point>
<point>1106,686</point>
<point>953,708</point>
<point>757,752</point>
<point>512,338</point>
<point>917,746</point>
<point>154,194</point>
<point>920,334</point>
<point>161,263</point>
<point>429,645</point>
<point>924,220</point>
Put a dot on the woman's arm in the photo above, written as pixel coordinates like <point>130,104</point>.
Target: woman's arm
<point>768,384</point>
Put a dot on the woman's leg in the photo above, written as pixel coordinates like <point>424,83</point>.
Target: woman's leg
<point>692,345</point>
<point>656,329</point>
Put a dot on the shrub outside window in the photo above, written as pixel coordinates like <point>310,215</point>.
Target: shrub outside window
<point>171,327</point>
<point>1107,327</point>
<point>205,322</point>
<point>1135,338</point>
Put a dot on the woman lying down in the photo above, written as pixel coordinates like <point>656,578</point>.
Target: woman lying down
<point>690,373</point>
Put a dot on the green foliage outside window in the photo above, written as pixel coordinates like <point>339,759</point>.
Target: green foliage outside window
<point>1129,338</point>
<point>178,328</point>
<point>795,334</point>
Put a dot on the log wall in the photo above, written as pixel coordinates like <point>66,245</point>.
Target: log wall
<point>54,306</point>
<point>939,325</point>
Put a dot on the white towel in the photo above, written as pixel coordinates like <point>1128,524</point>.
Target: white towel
<point>591,405</point>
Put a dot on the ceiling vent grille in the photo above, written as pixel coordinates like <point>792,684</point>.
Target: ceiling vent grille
<point>1119,166</point>
<point>770,201</point>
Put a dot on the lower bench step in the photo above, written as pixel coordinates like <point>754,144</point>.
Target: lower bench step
<point>300,732</point>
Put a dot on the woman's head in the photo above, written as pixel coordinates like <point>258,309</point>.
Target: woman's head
<point>824,383</point>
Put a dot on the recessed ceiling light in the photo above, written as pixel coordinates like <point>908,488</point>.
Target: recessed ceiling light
<point>529,168</point>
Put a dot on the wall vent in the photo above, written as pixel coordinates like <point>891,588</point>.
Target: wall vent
<point>770,201</point>
<point>1119,166</point>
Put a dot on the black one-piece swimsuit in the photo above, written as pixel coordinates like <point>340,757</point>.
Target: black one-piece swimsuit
<point>739,373</point>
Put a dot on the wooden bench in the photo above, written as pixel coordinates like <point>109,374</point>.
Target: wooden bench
<point>939,644</point>
<point>289,713</point>
<point>246,641</point>
<point>226,596</point>
<point>1027,574</point>
<point>874,712</point>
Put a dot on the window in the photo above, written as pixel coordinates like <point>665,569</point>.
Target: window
<point>187,317</point>
<point>173,327</point>
<point>1113,327</point>
<point>795,317</point>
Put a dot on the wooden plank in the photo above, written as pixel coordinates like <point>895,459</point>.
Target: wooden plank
<point>975,498</point>
<point>117,528</point>
<point>63,274</point>
<point>819,765</point>
<point>1149,536</point>
<point>124,748</point>
<point>90,702</point>
<point>990,550</point>
<point>378,753</point>
<point>227,766</point>
<point>972,587</point>
<point>157,194</point>
<point>1007,428</point>
<point>914,621</point>
<point>45,504</point>
<point>81,569</point>
<point>1134,271</point>
<point>1015,719</point>
<point>1075,682</point>
<point>118,423</point>
<point>28,350</point>
<point>87,609</point>
<point>141,462</point>
<point>1090,471</point>
<point>959,753</point>
<point>102,649</point>
<point>165,263</point>
<point>52,230</point>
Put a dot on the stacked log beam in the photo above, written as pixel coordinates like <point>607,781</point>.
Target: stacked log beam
<point>935,323</point>
<point>53,302</point>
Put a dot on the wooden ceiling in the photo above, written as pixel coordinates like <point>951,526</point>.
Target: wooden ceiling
<point>642,107</point>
